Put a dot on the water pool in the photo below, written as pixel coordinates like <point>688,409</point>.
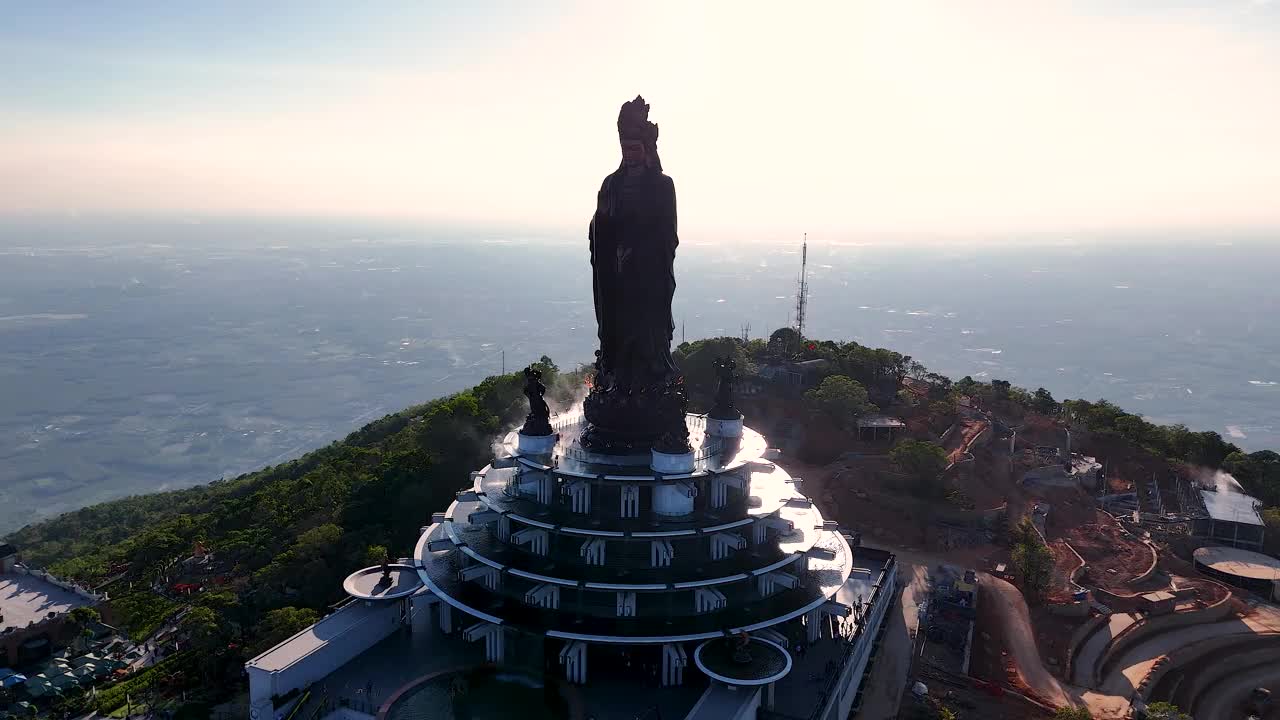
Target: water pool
<point>480,694</point>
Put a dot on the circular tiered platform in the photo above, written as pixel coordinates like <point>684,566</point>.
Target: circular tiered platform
<point>602,548</point>
<point>372,584</point>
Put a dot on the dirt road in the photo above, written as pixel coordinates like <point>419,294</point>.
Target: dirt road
<point>1019,639</point>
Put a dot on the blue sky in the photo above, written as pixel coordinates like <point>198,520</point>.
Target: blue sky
<point>854,117</point>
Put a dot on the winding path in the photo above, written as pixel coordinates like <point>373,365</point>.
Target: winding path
<point>1020,640</point>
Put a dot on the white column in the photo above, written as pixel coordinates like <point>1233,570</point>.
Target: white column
<point>488,576</point>
<point>544,596</point>
<point>574,659</point>
<point>674,660</point>
<point>720,485</point>
<point>593,551</point>
<point>494,640</point>
<point>769,583</point>
<point>630,501</point>
<point>660,553</point>
<point>763,525</point>
<point>724,543</point>
<point>421,605</point>
<point>535,538</point>
<point>813,626</point>
<point>483,517</point>
<point>707,600</point>
<point>579,496</point>
<point>626,604</point>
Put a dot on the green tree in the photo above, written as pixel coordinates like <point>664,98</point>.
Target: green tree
<point>1072,713</point>
<point>968,386</point>
<point>81,618</point>
<point>375,554</point>
<point>203,628</point>
<point>941,413</point>
<point>1043,402</point>
<point>1165,711</point>
<point>939,386</point>
<point>841,399</point>
<point>697,361</point>
<point>916,369</point>
<point>281,624</point>
<point>1258,473</point>
<point>1033,562</point>
<point>784,342</point>
<point>923,462</point>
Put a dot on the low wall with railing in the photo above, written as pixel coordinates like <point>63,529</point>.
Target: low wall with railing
<point>83,592</point>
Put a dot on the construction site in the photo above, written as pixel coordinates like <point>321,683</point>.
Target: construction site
<point>1127,611</point>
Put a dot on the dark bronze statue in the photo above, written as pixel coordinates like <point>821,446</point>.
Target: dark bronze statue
<point>637,386</point>
<point>724,409</point>
<point>538,421</point>
<point>385,580</point>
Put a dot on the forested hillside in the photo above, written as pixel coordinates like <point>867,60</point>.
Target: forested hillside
<point>288,534</point>
<point>284,537</point>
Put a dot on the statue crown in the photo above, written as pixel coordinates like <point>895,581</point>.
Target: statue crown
<point>633,122</point>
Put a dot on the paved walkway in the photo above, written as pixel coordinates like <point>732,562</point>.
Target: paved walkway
<point>883,690</point>
<point>1086,661</point>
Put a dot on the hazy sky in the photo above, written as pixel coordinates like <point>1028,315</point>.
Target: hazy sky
<point>853,118</point>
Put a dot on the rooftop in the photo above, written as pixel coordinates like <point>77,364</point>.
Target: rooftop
<point>1240,563</point>
<point>880,421</point>
<point>27,599</point>
<point>313,638</point>
<point>1231,507</point>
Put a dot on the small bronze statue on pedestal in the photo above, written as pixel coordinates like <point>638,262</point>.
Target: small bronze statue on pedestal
<point>724,408</point>
<point>538,421</point>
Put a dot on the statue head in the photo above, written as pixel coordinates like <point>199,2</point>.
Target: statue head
<point>638,136</point>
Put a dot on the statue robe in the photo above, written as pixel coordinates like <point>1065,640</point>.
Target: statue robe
<point>633,246</point>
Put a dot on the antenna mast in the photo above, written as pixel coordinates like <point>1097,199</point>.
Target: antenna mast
<point>802,295</point>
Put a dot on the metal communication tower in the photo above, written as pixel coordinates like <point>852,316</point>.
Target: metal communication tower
<point>802,294</point>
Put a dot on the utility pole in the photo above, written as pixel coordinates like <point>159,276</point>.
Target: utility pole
<point>681,331</point>
<point>504,361</point>
<point>746,333</point>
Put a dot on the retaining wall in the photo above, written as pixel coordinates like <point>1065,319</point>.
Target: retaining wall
<point>1185,656</point>
<point>1079,638</point>
<point>1156,625</point>
<point>1151,571</point>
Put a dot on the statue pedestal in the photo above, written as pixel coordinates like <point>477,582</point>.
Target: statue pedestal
<point>720,427</point>
<point>671,463</point>
<point>535,444</point>
<point>673,499</point>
